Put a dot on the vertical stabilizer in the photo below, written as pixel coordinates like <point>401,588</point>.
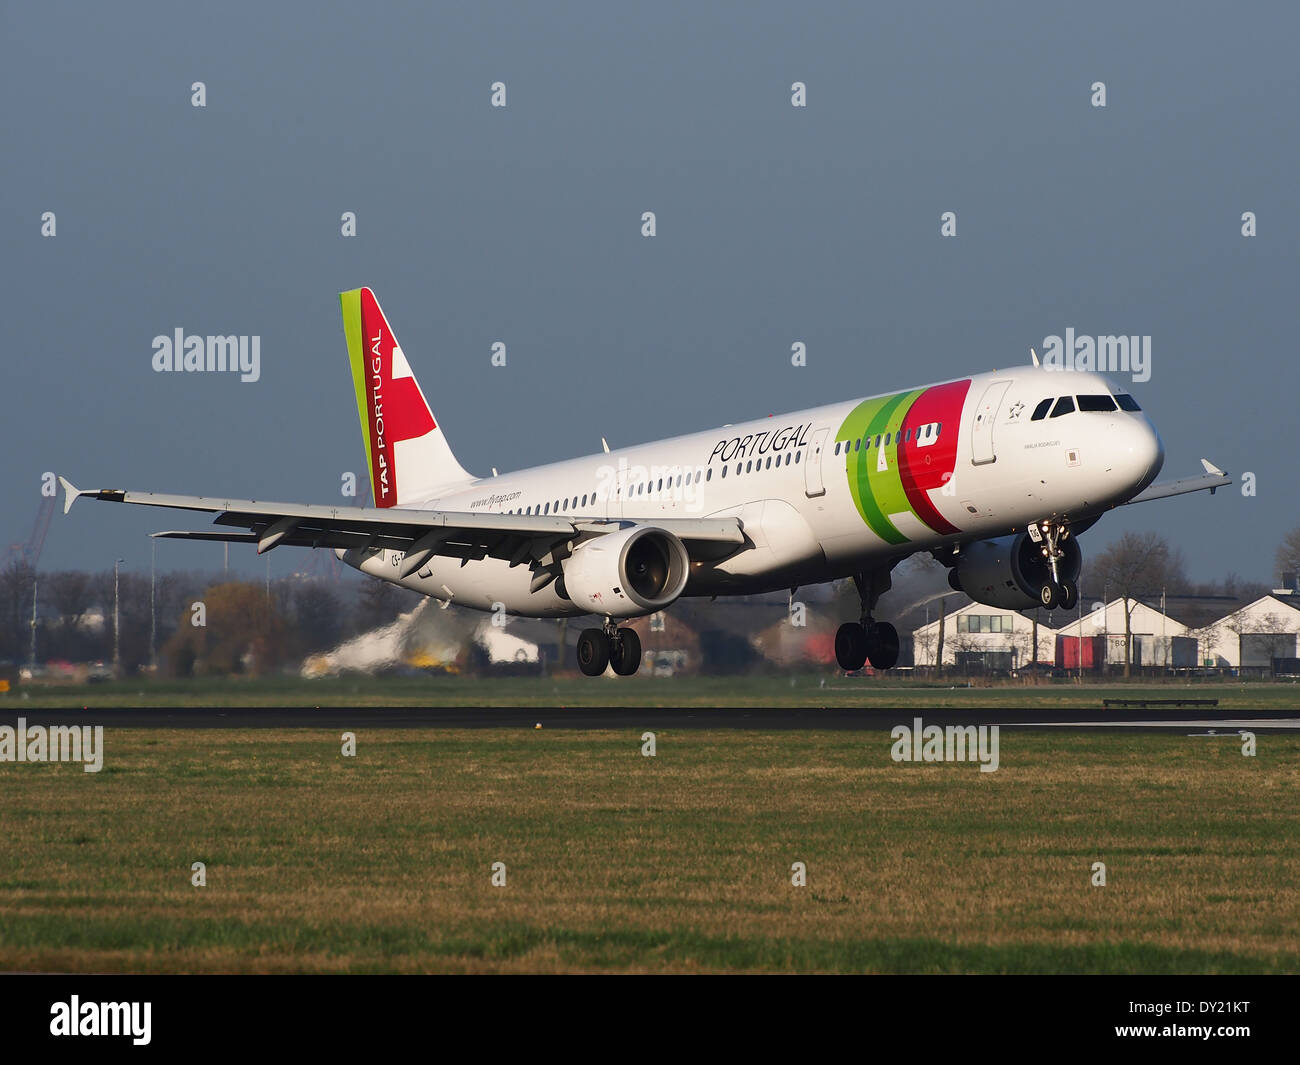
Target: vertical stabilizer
<point>410,459</point>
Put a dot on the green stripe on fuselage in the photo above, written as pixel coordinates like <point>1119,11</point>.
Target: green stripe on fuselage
<point>877,493</point>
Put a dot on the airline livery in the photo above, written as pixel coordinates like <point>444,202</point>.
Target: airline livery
<point>994,475</point>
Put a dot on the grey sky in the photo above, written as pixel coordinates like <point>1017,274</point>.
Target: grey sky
<point>775,224</point>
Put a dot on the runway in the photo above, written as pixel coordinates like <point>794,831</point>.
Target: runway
<point>621,717</point>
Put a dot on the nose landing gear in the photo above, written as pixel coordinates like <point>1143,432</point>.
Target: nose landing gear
<point>1055,593</point>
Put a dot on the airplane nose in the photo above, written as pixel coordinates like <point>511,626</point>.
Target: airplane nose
<point>1142,451</point>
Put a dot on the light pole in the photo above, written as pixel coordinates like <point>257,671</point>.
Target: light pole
<point>32,663</point>
<point>153,604</point>
<point>117,625</point>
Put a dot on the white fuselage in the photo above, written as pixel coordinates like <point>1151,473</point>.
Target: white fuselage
<point>814,508</point>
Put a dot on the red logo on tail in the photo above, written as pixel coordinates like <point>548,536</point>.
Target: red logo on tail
<point>397,410</point>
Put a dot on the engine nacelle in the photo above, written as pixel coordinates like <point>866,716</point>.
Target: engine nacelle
<point>1009,571</point>
<point>627,574</point>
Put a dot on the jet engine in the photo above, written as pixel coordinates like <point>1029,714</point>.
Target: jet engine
<point>627,574</point>
<point>1009,572</point>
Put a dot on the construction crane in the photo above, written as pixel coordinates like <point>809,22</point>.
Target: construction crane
<point>30,552</point>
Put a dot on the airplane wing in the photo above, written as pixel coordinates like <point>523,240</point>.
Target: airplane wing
<point>421,534</point>
<point>1212,478</point>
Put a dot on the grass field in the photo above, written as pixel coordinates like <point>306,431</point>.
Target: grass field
<point>571,690</point>
<point>678,862</point>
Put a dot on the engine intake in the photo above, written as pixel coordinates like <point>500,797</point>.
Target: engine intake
<point>627,574</point>
<point>1009,571</point>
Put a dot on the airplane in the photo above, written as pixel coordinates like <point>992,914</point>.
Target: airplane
<point>994,475</point>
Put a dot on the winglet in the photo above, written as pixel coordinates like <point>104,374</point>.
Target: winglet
<point>72,493</point>
<point>1210,467</point>
<point>1034,355</point>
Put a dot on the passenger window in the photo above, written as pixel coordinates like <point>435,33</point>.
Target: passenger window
<point>1096,404</point>
<point>887,440</point>
<point>1040,412</point>
<point>1064,405</point>
<point>1126,402</point>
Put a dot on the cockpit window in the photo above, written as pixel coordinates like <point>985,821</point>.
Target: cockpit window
<point>1064,405</point>
<point>1126,402</point>
<point>1040,412</point>
<point>1096,403</point>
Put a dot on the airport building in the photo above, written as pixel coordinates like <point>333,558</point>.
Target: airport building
<point>1254,636</point>
<point>988,639</point>
<point>1158,640</point>
<point>983,638</point>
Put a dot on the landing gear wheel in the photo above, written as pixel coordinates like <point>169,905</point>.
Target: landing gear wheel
<point>882,644</point>
<point>1048,596</point>
<point>625,652</point>
<point>851,646</point>
<point>1069,595</point>
<point>593,652</point>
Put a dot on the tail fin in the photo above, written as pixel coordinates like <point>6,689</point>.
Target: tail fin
<point>410,460</point>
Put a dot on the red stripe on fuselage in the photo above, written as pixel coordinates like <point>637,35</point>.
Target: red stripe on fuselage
<point>923,469</point>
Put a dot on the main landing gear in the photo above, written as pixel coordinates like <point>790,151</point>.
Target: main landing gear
<point>1056,593</point>
<point>609,646</point>
<point>857,642</point>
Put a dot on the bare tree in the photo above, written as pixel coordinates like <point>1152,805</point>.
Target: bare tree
<point>1021,645</point>
<point>1138,566</point>
<point>924,642</point>
<point>1206,636</point>
<point>943,621</point>
<point>962,644</point>
<point>16,586</point>
<point>242,632</point>
<point>1288,554</point>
